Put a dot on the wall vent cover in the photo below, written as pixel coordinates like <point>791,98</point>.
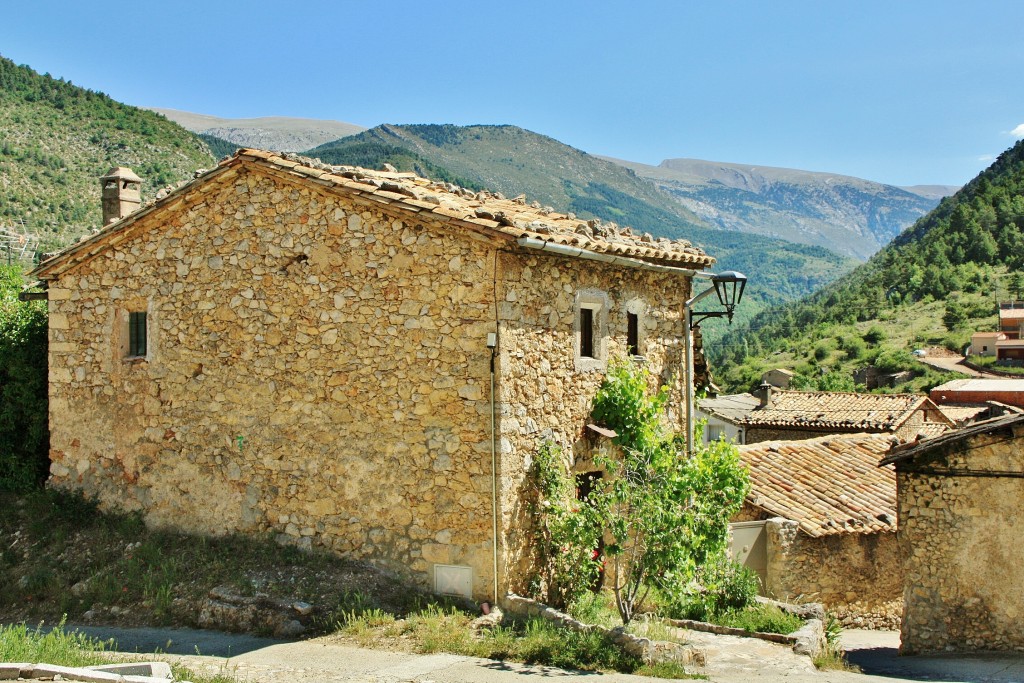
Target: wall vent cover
<point>451,579</point>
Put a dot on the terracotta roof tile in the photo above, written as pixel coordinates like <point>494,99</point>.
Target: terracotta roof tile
<point>819,409</point>
<point>483,212</point>
<point>828,485</point>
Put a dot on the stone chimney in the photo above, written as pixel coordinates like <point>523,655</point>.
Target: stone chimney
<point>122,194</point>
<point>764,395</point>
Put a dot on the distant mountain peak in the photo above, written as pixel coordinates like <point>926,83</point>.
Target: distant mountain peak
<point>279,133</point>
<point>848,215</point>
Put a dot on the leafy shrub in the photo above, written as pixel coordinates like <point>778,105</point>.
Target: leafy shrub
<point>854,347</point>
<point>722,586</point>
<point>24,429</point>
<point>895,360</point>
<point>874,335</point>
<point>759,619</point>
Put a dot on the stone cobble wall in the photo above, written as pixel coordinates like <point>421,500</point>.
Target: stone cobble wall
<point>858,577</point>
<point>964,563</point>
<point>316,369</point>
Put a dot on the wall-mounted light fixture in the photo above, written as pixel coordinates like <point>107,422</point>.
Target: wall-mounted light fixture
<point>729,287</point>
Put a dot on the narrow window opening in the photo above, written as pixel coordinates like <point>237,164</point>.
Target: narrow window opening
<point>632,334</point>
<point>587,333</point>
<point>137,334</point>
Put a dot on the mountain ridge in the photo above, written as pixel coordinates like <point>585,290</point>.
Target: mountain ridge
<point>279,133</point>
<point>849,215</point>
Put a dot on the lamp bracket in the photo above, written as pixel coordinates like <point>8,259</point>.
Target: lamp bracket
<point>697,316</point>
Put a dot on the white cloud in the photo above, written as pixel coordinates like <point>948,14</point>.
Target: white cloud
<point>987,158</point>
<point>1018,132</point>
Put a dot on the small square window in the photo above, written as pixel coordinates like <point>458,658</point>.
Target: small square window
<point>632,334</point>
<point>137,334</point>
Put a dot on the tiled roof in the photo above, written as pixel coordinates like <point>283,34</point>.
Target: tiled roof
<point>829,485</point>
<point>961,413</point>
<point>986,385</point>
<point>482,212</point>
<point>1013,424</point>
<point>732,407</point>
<point>823,409</point>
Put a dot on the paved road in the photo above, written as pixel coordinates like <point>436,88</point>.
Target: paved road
<point>732,660</point>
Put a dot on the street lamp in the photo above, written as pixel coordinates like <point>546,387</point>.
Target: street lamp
<point>729,287</point>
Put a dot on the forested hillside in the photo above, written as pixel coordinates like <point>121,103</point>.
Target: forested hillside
<point>513,161</point>
<point>954,263</point>
<point>57,139</point>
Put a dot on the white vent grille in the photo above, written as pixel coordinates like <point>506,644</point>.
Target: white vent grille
<point>450,579</point>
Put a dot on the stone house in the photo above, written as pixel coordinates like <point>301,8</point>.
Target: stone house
<point>355,360</point>
<point>772,414</point>
<point>819,525</point>
<point>959,501</point>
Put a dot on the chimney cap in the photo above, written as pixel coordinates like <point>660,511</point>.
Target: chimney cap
<point>121,173</point>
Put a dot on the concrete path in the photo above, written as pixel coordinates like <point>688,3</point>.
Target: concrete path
<point>876,653</point>
<point>731,660</point>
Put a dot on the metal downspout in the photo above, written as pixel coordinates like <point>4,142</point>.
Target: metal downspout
<point>494,482</point>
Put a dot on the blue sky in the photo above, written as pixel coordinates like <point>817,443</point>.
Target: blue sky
<point>898,91</point>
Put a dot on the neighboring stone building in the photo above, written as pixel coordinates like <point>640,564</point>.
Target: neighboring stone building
<point>281,346</point>
<point>819,524</point>
<point>959,498</point>
<point>772,414</point>
<point>779,377</point>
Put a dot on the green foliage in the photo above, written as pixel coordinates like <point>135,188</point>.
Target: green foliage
<point>955,316</point>
<point>895,360</point>
<point>57,139</point>
<point>836,380</point>
<point>759,619</point>
<point>962,246</point>
<point>721,586</point>
<point>874,335</point>
<point>219,147</point>
<point>18,643</point>
<point>568,531</point>
<point>624,404</point>
<point>663,514</point>
<point>24,429</point>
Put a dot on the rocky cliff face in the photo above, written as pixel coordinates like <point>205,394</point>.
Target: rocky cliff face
<point>848,215</point>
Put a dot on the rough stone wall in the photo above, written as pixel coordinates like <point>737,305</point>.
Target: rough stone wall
<point>544,392</point>
<point>858,577</point>
<point>964,561</point>
<point>316,369</point>
<point>909,430</point>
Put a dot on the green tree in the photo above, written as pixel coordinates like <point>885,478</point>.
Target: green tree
<point>955,316</point>
<point>1017,283</point>
<point>665,514</point>
<point>24,431</point>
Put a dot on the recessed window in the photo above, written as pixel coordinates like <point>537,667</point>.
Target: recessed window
<point>633,334</point>
<point>590,346</point>
<point>136,334</point>
<point>587,333</point>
